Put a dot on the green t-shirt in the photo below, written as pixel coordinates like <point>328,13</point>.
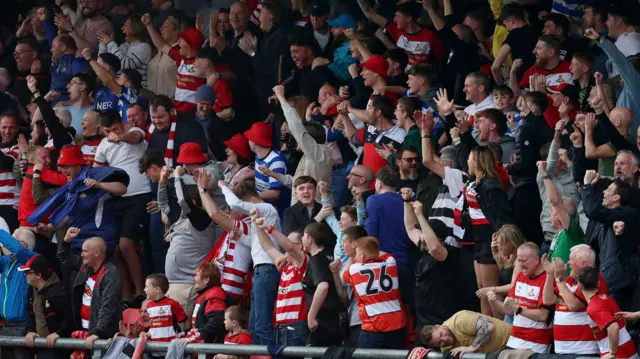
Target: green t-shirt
<point>563,241</point>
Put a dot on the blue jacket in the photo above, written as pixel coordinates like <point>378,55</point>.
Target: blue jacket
<point>80,203</point>
<point>63,71</point>
<point>13,294</point>
<point>629,97</point>
<point>385,221</point>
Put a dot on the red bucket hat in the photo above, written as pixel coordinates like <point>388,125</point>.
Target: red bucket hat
<point>193,37</point>
<point>261,134</point>
<point>191,153</point>
<point>71,156</point>
<point>377,64</point>
<point>240,145</point>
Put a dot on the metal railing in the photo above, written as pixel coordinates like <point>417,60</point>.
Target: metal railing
<point>102,345</point>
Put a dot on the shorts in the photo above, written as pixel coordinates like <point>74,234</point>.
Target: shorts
<point>132,217</point>
<point>482,253</point>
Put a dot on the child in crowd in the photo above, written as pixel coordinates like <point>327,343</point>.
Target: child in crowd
<point>350,216</point>
<point>530,103</point>
<point>374,281</point>
<point>349,239</point>
<point>207,320</point>
<point>234,323</point>
<point>165,314</point>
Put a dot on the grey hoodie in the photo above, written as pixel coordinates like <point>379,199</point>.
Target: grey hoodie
<point>508,144</point>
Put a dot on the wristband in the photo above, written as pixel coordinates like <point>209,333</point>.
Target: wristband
<point>203,190</point>
<point>271,229</point>
<point>36,172</point>
<point>519,311</point>
<point>407,201</point>
<point>546,177</point>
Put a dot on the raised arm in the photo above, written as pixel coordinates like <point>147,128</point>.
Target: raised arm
<point>156,37</point>
<point>428,156</point>
<point>265,241</point>
<point>204,179</point>
<point>410,219</point>
<point>554,196</point>
<point>376,18</point>
<point>434,245</point>
<point>105,76</point>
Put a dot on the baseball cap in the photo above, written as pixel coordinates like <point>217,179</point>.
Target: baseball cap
<point>345,21</point>
<point>319,8</point>
<point>38,264</point>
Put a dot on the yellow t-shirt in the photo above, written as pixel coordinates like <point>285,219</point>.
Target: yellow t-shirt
<point>463,326</point>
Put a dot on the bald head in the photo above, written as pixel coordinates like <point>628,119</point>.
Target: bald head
<point>239,16</point>
<point>621,118</point>
<point>360,176</point>
<point>94,252</point>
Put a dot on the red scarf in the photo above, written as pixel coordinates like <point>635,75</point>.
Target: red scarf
<point>168,153</point>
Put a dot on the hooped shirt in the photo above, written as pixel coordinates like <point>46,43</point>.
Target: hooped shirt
<point>601,310</point>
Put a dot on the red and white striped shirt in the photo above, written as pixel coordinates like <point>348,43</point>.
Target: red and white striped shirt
<point>475,212</point>
<point>89,150</point>
<point>600,310</point>
<point>242,338</point>
<point>187,82</point>
<point>375,285</point>
<point>9,190</point>
<point>571,331</point>
<point>164,316</point>
<point>89,285</point>
<point>528,333</point>
<point>234,259</point>
<point>290,302</point>
<point>419,46</point>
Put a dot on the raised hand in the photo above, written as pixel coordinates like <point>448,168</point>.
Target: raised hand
<point>407,194</point>
<point>591,34</point>
<point>72,233</point>
<point>204,179</point>
<point>146,19</point>
<point>576,137</point>
<point>32,84</point>
<point>334,266</point>
<point>516,65</point>
<point>618,228</point>
<point>180,171</point>
<point>86,53</point>
<point>417,208</point>
<point>542,167</point>
<point>598,77</point>
<point>445,107</point>
<point>52,95</point>
<point>323,187</point>
<point>200,21</point>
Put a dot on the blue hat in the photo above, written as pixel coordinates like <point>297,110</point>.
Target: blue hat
<point>205,93</point>
<point>345,20</point>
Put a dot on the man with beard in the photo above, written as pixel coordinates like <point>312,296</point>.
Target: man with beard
<point>85,33</point>
<point>595,17</point>
<point>319,12</point>
<point>548,63</point>
<point>558,25</point>
<point>26,53</point>
<point>408,162</point>
<point>64,65</point>
<point>530,327</point>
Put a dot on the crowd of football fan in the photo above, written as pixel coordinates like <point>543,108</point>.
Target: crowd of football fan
<point>459,175</point>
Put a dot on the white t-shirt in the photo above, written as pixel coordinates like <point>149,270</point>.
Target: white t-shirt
<point>125,156</point>
<point>628,44</point>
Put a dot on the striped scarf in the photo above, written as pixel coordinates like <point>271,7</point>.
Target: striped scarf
<point>168,153</point>
<point>79,354</point>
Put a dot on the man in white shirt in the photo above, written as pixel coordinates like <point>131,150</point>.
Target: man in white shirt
<point>123,149</point>
<point>266,276</point>
<point>620,26</point>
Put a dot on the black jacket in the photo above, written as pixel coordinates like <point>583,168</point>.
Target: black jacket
<point>526,207</point>
<point>296,217</point>
<point>106,298</point>
<point>534,133</point>
<point>272,61</point>
<point>307,81</point>
<point>55,304</point>
<point>616,254</point>
<point>493,202</point>
<point>210,315</point>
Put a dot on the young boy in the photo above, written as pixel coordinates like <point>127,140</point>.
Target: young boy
<point>207,320</point>
<point>374,281</point>
<point>306,280</point>
<point>234,322</point>
<point>350,216</point>
<point>530,103</point>
<point>165,314</point>
<point>612,336</point>
<point>349,238</point>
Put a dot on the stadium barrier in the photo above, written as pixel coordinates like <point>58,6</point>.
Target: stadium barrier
<point>101,346</point>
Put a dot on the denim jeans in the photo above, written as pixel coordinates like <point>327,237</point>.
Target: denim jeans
<point>294,334</point>
<point>387,340</point>
<point>155,248</point>
<point>339,186</point>
<point>263,296</point>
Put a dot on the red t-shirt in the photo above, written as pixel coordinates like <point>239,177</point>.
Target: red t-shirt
<point>224,98</point>
<point>600,310</point>
<point>418,46</point>
<point>559,75</point>
<point>240,338</point>
<point>187,82</point>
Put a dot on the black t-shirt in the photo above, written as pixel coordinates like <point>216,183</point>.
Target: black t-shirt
<point>570,47</point>
<point>317,272</point>
<point>436,299</point>
<point>522,42</point>
<point>398,80</point>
